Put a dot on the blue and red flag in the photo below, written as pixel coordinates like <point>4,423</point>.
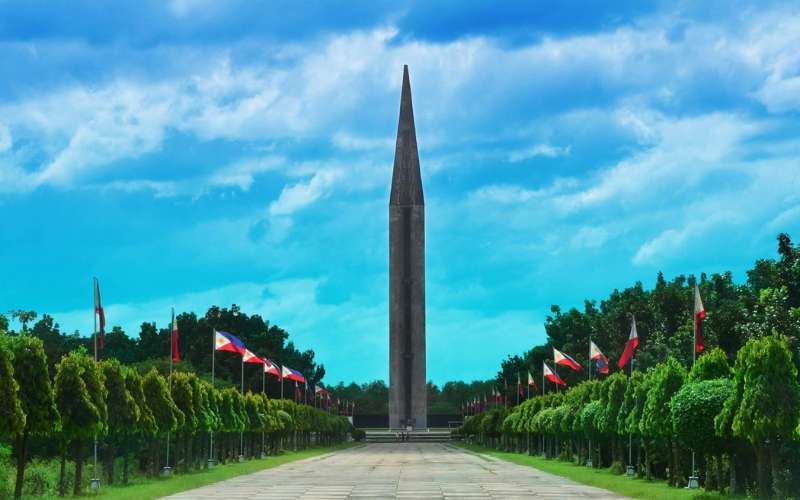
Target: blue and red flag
<point>600,359</point>
<point>564,359</point>
<point>271,368</point>
<point>699,316</point>
<point>291,374</point>
<point>224,341</point>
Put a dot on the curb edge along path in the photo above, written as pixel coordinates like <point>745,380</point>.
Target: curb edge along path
<point>398,470</point>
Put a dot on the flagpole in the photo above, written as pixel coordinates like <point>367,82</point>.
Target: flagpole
<point>241,433</point>
<point>213,359</point>
<point>630,469</point>
<point>171,357</point>
<point>693,479</point>
<point>95,479</point>
<point>263,391</point>
<point>543,387</point>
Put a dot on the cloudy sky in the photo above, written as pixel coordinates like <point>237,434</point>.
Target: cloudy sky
<point>191,153</point>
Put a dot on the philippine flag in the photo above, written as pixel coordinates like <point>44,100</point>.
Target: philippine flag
<point>699,316</point>
<point>271,368</point>
<point>224,341</point>
<point>562,359</point>
<point>630,346</point>
<point>551,376</point>
<point>600,359</point>
<point>249,357</point>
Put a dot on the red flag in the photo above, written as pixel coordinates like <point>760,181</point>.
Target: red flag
<point>101,316</point>
<point>563,359</point>
<point>551,375</point>
<point>630,346</point>
<point>176,355</point>
<point>599,358</point>
<point>532,382</point>
<point>699,316</point>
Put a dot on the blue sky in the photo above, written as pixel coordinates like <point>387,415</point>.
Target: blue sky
<point>192,152</point>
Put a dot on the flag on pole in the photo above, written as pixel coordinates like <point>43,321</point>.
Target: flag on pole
<point>520,387</point>
<point>249,357</point>
<point>176,354</point>
<point>224,341</point>
<point>101,316</point>
<point>532,382</point>
<point>271,368</point>
<point>600,359</point>
<point>291,374</point>
<point>630,346</point>
<point>551,375</point>
<point>699,316</point>
<point>563,359</point>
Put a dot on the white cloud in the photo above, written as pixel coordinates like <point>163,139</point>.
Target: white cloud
<point>321,88</point>
<point>544,150</point>
<point>590,237</point>
<point>682,153</point>
<point>504,193</point>
<point>350,142</point>
<point>666,243</point>
<point>242,173</point>
<point>302,194</point>
<point>5,138</point>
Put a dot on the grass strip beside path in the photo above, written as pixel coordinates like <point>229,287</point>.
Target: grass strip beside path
<point>156,488</point>
<point>600,478</point>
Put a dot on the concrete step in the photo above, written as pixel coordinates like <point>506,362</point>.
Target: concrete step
<point>414,437</point>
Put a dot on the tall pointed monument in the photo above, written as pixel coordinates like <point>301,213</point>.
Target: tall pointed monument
<point>408,405</point>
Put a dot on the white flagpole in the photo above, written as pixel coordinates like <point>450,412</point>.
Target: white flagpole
<point>630,470</point>
<point>171,355</point>
<point>211,434</point>
<point>694,480</point>
<point>241,434</point>
<point>95,479</point>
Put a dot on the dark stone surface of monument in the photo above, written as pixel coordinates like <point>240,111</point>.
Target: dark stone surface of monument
<point>408,403</point>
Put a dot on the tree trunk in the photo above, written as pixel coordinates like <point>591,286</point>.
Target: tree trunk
<point>775,462</point>
<point>108,459</point>
<point>125,454</point>
<point>76,488</point>
<point>763,472</point>
<point>22,443</point>
<point>62,474</point>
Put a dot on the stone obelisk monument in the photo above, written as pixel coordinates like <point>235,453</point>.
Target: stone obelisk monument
<point>408,405</point>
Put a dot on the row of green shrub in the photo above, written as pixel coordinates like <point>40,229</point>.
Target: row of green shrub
<point>741,422</point>
<point>138,416</point>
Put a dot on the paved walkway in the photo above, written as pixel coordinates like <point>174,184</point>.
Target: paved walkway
<point>398,470</point>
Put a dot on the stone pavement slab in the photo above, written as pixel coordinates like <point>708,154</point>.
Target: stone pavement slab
<point>398,471</point>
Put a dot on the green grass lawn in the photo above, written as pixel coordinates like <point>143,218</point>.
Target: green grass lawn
<point>143,489</point>
<point>601,478</point>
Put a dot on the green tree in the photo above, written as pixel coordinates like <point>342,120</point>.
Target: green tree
<point>123,412</point>
<point>656,422</point>
<point>166,414</point>
<point>12,417</point>
<point>766,401</point>
<point>80,398</point>
<point>146,422</point>
<point>693,410</point>
<point>24,317</point>
<point>711,365</point>
<point>35,396</point>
